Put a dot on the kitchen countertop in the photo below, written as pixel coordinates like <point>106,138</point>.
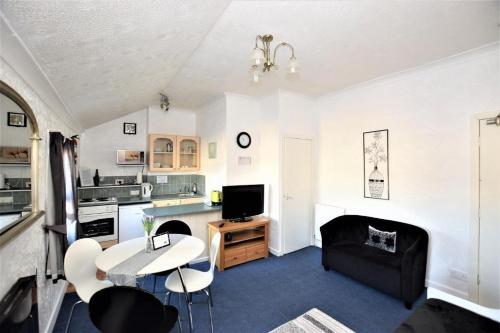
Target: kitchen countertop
<point>14,209</point>
<point>181,210</point>
<point>139,200</point>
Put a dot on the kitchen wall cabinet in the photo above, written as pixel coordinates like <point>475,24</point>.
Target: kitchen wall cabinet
<point>188,148</point>
<point>173,153</point>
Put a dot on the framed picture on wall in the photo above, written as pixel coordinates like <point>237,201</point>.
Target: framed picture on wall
<point>376,164</point>
<point>130,128</point>
<point>16,119</point>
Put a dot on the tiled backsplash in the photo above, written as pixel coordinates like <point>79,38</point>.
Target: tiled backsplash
<point>18,197</point>
<point>18,183</point>
<point>176,184</point>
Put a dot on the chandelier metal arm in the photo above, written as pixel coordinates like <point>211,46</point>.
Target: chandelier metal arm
<point>280,45</point>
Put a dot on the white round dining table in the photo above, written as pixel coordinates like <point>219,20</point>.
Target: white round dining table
<point>181,253</point>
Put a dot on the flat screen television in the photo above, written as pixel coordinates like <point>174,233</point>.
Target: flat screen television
<point>241,202</point>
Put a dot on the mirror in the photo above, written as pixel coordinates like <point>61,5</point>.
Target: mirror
<point>17,129</point>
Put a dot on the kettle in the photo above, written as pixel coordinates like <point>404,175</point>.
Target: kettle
<point>216,198</point>
<point>146,189</point>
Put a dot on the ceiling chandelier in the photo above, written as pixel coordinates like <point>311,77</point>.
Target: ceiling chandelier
<point>261,57</point>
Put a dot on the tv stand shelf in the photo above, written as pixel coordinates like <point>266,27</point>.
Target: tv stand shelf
<point>248,241</point>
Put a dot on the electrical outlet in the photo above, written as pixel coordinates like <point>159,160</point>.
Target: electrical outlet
<point>134,192</point>
<point>458,274</point>
<point>119,181</point>
<point>161,179</point>
<point>6,200</point>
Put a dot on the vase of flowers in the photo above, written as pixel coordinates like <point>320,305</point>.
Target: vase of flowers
<point>377,154</point>
<point>148,222</point>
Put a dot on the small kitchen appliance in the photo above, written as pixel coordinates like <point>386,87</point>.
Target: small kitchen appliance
<point>216,198</point>
<point>146,189</point>
<point>99,218</point>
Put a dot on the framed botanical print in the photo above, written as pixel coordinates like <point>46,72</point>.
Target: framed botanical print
<point>376,164</point>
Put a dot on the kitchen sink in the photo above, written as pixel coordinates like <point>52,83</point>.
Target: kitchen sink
<point>186,194</point>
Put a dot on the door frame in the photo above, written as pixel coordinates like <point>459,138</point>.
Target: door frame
<point>281,186</point>
<point>474,228</point>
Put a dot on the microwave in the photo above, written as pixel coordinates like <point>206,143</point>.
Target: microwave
<point>130,157</point>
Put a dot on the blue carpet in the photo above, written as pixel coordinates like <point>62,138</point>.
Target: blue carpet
<point>263,294</point>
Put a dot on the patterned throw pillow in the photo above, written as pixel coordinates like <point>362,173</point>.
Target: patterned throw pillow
<point>382,239</point>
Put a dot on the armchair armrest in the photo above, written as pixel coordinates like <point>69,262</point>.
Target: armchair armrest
<point>413,269</point>
<point>328,230</point>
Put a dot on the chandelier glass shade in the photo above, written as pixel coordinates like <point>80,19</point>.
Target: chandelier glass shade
<point>263,60</point>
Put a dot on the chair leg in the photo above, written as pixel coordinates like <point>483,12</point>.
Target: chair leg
<point>190,312</point>
<point>179,321</point>
<point>210,296</point>
<point>71,315</point>
<point>167,296</point>
<point>209,310</point>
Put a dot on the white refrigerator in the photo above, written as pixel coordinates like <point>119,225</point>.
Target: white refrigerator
<point>130,221</point>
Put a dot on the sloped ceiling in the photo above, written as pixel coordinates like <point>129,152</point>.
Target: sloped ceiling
<point>109,58</point>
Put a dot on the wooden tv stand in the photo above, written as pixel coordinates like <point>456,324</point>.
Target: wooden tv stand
<point>249,241</point>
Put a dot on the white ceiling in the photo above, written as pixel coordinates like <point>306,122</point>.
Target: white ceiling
<point>109,58</point>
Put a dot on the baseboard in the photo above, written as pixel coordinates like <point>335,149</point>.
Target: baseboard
<point>55,311</point>
<point>275,252</point>
<point>445,288</point>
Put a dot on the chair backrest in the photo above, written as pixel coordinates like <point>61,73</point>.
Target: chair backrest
<point>214,249</point>
<point>174,227</point>
<point>79,261</point>
<point>122,309</point>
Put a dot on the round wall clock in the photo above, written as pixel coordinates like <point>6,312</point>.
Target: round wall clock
<point>243,140</point>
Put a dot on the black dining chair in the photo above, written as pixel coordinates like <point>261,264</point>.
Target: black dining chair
<point>123,309</point>
<point>172,227</point>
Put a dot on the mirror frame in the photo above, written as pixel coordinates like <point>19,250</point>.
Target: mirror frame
<point>36,213</point>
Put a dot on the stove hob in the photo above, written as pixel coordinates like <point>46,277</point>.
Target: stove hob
<point>97,201</point>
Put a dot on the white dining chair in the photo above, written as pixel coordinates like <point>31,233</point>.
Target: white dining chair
<point>195,280</point>
<point>80,270</point>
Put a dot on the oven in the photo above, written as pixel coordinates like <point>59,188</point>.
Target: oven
<point>99,222</point>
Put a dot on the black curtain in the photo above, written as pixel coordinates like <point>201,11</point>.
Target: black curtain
<point>62,218</point>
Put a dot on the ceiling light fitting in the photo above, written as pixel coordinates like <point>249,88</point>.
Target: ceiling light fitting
<point>261,57</point>
<point>164,103</point>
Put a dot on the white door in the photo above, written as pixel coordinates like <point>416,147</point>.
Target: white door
<point>489,215</point>
<point>297,194</point>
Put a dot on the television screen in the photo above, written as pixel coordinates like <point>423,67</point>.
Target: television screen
<point>239,202</point>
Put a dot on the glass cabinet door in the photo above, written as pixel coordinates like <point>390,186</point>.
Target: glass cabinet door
<point>189,154</point>
<point>162,152</point>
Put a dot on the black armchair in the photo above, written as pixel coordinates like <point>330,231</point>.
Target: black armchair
<point>400,274</point>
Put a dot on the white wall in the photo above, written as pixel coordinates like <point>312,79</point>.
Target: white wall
<point>242,115</point>
<point>25,255</point>
<point>211,127</point>
<point>267,120</point>
<point>427,112</point>
<point>175,121</point>
<point>98,144</point>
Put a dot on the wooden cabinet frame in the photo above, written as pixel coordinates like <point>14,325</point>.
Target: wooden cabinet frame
<point>195,154</point>
<point>175,153</point>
